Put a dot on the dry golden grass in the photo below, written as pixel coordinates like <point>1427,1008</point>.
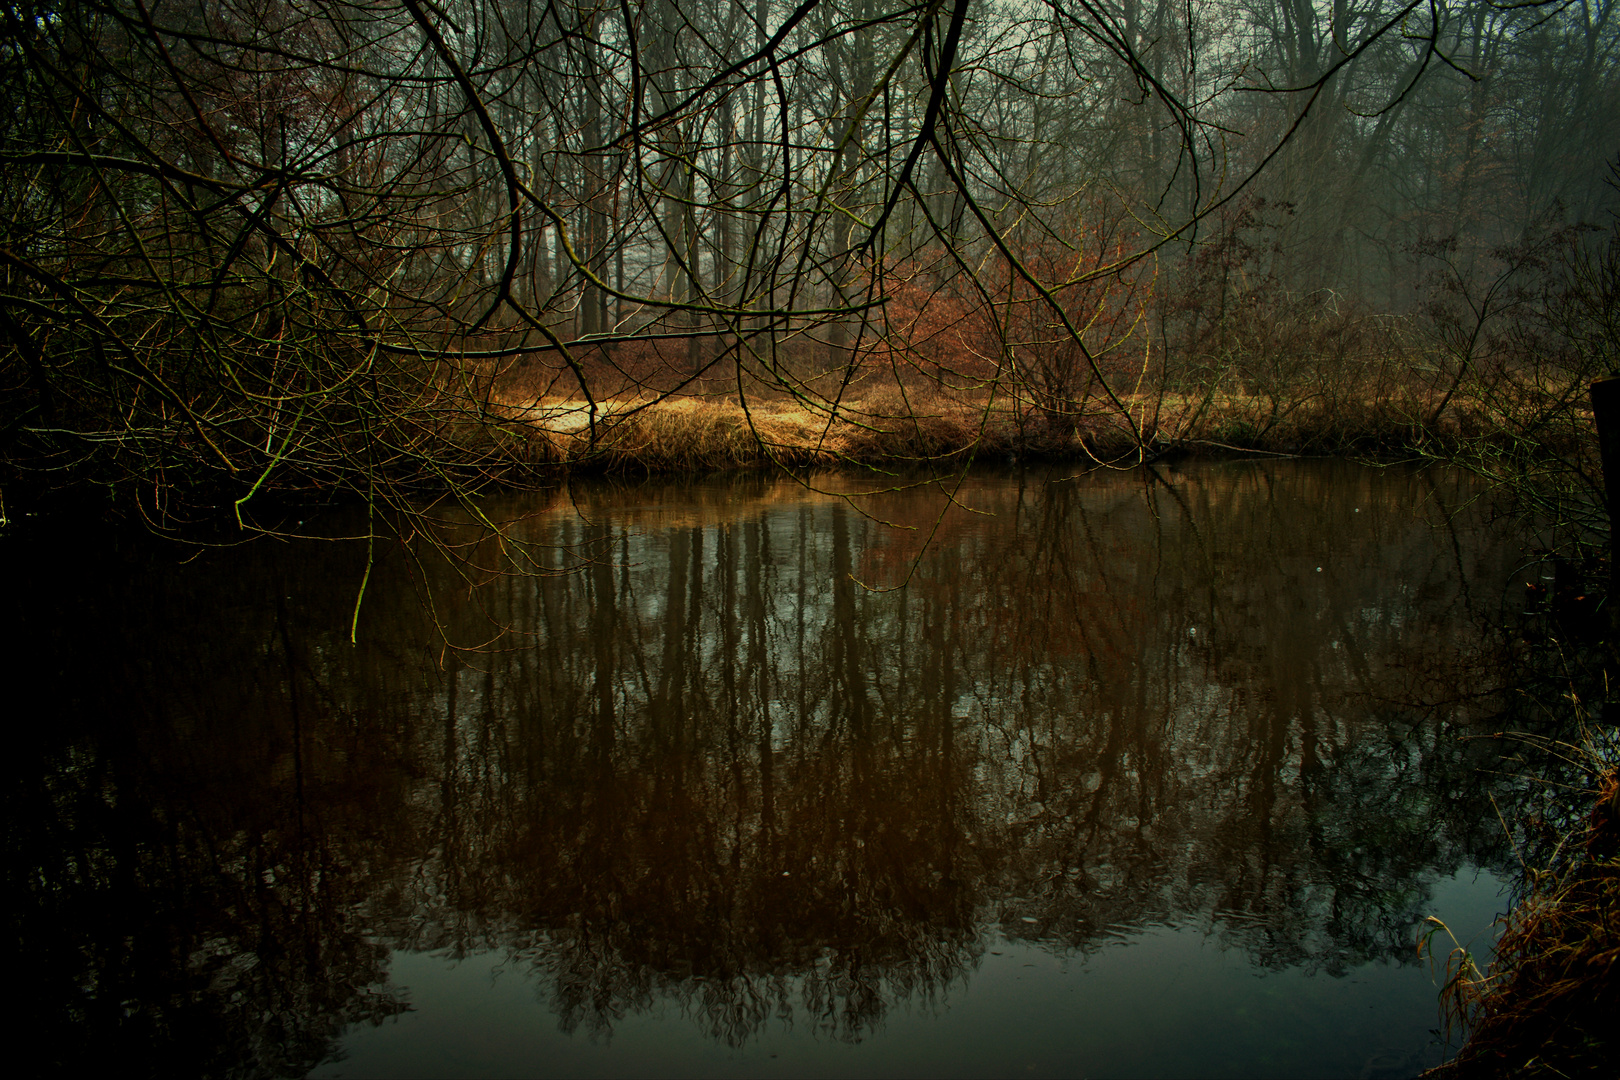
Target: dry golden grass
<point>878,421</point>
<point>716,433</point>
<point>1550,1004</point>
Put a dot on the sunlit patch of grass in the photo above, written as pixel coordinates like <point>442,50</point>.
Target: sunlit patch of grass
<point>883,421</point>
<point>716,433</point>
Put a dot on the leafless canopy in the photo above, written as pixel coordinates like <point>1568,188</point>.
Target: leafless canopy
<point>380,245</point>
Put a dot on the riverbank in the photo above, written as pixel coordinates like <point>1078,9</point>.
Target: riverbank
<point>893,425</point>
<point>1548,1006</point>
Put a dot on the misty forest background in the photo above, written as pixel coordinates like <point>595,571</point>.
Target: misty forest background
<point>296,246</point>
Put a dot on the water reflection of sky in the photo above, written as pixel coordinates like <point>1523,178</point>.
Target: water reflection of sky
<point>1118,784</point>
<point>1162,1001</point>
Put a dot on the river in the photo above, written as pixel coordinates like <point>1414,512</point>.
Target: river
<point>1129,773</point>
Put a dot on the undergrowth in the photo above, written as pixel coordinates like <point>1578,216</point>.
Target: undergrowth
<point>1547,1005</point>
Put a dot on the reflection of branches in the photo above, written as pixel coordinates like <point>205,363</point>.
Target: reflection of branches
<point>247,963</point>
<point>597,980</point>
<point>711,771</point>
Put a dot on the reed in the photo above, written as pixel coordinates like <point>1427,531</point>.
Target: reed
<point>1547,1007</point>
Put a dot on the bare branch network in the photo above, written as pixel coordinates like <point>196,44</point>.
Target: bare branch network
<point>386,247</point>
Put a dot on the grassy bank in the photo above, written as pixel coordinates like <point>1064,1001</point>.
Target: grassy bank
<point>893,425</point>
<point>1548,1006</point>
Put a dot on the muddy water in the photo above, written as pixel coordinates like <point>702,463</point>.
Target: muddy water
<point>1140,773</point>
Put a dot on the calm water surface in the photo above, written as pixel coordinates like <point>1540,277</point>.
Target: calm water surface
<point>1140,774</point>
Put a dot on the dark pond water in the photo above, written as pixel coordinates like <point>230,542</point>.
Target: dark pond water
<point>1141,774</point>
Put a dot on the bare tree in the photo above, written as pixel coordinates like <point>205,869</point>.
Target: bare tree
<point>380,246</point>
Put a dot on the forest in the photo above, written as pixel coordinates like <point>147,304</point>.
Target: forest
<point>379,249</point>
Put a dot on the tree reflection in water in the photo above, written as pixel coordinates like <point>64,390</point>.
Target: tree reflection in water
<point>713,767</point>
